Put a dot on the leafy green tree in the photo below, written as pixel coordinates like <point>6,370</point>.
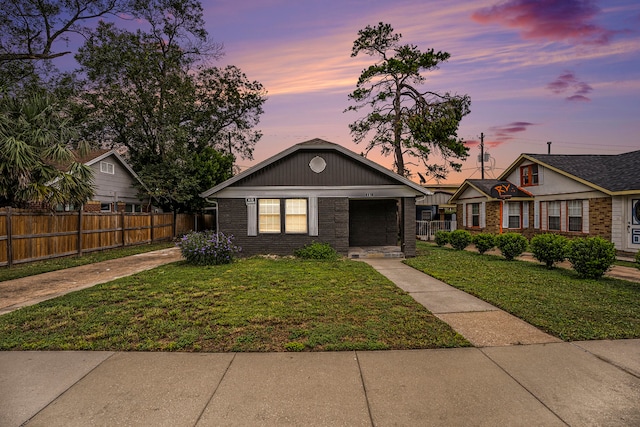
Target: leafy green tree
<point>148,91</point>
<point>37,163</point>
<point>406,119</point>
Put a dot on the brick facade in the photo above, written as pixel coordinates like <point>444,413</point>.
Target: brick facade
<point>600,217</point>
<point>409,227</point>
<point>333,227</point>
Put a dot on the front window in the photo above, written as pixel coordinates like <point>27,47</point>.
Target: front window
<point>295,220</point>
<point>574,208</point>
<point>514,215</point>
<point>529,175</point>
<point>553,209</point>
<point>269,215</point>
<point>475,214</point>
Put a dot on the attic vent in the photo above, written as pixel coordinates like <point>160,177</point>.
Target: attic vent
<point>317,164</point>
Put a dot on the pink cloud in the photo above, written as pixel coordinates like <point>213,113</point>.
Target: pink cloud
<point>505,133</point>
<point>568,82</point>
<point>555,20</point>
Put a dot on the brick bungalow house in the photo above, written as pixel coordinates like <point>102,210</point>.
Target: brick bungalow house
<point>317,191</point>
<point>573,195</point>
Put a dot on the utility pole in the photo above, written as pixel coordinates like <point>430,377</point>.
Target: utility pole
<point>481,155</point>
<point>231,153</point>
<point>548,147</point>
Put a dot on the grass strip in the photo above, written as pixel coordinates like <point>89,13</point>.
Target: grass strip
<point>556,301</point>
<point>38,267</point>
<point>251,305</point>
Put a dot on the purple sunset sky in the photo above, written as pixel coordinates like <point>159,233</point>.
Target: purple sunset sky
<point>566,71</point>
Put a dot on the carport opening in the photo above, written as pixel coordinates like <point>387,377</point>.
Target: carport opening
<point>373,223</point>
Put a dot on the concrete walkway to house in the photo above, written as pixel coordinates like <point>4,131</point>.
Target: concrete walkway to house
<point>544,383</point>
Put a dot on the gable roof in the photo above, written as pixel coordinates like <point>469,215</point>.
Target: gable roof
<point>487,186</point>
<point>312,145</point>
<point>97,155</point>
<point>611,174</point>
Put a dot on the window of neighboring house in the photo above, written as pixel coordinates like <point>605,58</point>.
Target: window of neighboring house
<point>514,215</point>
<point>553,213</point>
<point>269,215</point>
<point>475,214</point>
<point>529,175</point>
<point>574,209</point>
<point>426,215</point>
<point>106,167</point>
<point>133,207</point>
<point>105,207</point>
<point>295,216</point>
<point>64,207</point>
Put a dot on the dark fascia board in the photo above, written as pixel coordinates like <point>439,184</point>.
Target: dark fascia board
<point>524,157</point>
<point>467,183</point>
<point>122,162</point>
<point>321,145</point>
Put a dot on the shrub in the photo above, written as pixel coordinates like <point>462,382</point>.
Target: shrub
<point>317,250</point>
<point>460,239</point>
<point>638,260</point>
<point>484,242</point>
<point>442,237</point>
<point>511,245</point>
<point>549,248</point>
<point>591,257</point>
<point>294,346</point>
<point>207,248</point>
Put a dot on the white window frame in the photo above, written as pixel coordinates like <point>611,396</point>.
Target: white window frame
<point>296,216</point>
<point>269,217</point>
<point>102,207</point>
<point>554,211</point>
<point>107,167</point>
<point>573,207</point>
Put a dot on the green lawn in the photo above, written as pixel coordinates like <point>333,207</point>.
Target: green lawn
<point>556,301</point>
<point>38,267</point>
<point>251,305</point>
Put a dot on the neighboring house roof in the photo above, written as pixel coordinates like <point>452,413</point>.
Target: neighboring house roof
<point>312,145</point>
<point>611,174</point>
<point>99,155</point>
<point>492,189</point>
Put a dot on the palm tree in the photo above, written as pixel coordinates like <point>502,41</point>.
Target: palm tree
<point>37,162</point>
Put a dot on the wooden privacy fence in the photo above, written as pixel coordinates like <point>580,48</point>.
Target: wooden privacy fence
<point>32,236</point>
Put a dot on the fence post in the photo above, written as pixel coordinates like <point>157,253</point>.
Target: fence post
<point>80,230</point>
<point>9,239</point>
<point>123,227</point>
<point>151,224</point>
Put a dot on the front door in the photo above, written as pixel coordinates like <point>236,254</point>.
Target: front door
<point>633,223</point>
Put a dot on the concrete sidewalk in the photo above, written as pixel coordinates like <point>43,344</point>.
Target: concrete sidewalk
<point>479,322</point>
<point>576,384</point>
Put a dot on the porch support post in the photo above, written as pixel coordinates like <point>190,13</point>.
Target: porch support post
<point>408,231</point>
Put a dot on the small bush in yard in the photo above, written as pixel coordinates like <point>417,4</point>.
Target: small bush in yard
<point>442,237</point>
<point>549,248</point>
<point>207,248</point>
<point>317,250</point>
<point>460,239</point>
<point>511,245</point>
<point>591,257</point>
<point>484,242</point>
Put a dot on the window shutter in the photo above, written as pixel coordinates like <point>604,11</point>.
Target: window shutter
<point>252,219</point>
<point>563,216</point>
<point>536,215</point>
<point>464,214</point>
<point>585,216</point>
<point>525,214</point>
<point>505,215</point>
<point>313,216</point>
<point>483,214</point>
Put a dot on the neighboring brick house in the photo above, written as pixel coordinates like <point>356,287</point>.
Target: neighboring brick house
<point>573,195</point>
<point>115,184</point>
<point>317,191</point>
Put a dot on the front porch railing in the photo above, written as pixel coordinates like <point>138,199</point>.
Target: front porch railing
<point>426,230</point>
